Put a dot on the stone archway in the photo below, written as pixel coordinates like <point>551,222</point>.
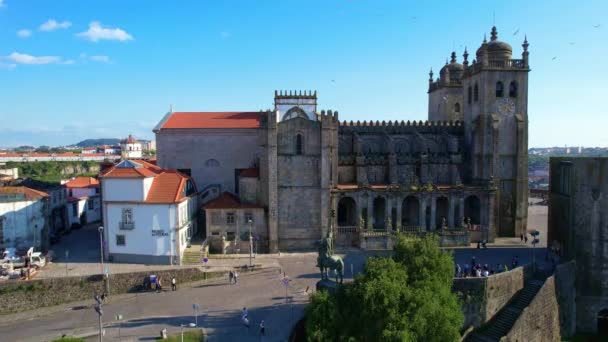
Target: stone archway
<point>472,209</point>
<point>347,212</point>
<point>410,211</point>
<point>602,323</point>
<point>442,210</point>
<point>379,213</point>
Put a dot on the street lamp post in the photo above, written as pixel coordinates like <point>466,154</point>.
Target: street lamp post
<point>250,242</point>
<point>100,229</point>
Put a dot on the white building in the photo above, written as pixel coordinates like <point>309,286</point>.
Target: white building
<point>131,148</point>
<point>84,202</point>
<point>149,213</point>
<point>23,216</point>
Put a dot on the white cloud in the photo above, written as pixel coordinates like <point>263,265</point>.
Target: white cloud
<point>21,58</point>
<point>52,25</point>
<point>96,32</point>
<point>102,59</point>
<point>23,33</point>
<point>68,62</point>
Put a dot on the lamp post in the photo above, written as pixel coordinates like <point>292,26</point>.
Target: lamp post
<point>100,229</point>
<point>250,242</point>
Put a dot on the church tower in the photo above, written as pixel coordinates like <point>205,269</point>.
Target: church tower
<point>495,110</point>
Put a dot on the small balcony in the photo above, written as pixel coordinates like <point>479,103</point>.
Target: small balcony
<point>127,225</point>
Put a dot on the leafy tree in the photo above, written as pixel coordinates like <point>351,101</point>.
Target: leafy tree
<point>404,298</point>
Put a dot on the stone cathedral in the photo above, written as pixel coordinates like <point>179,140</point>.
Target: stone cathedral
<point>300,171</point>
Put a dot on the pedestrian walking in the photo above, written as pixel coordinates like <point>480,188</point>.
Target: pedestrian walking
<point>173,284</point>
<point>159,284</point>
<point>521,237</point>
<point>245,313</point>
<point>458,271</point>
<point>235,277</point>
<point>526,238</point>
<point>230,276</point>
<point>262,328</point>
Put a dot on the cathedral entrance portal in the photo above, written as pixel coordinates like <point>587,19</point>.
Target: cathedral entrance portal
<point>442,211</point>
<point>472,209</point>
<point>379,213</point>
<point>347,215</point>
<point>411,210</point>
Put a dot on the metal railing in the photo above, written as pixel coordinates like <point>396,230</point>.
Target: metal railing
<point>127,225</point>
<point>346,229</point>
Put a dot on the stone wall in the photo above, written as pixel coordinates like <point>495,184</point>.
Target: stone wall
<point>566,297</point>
<point>32,294</point>
<point>540,320</point>
<point>482,298</point>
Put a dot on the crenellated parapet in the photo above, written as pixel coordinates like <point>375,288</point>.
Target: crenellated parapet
<point>396,127</point>
<point>328,118</point>
<point>295,94</point>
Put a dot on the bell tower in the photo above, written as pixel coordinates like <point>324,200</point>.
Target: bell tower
<point>495,88</point>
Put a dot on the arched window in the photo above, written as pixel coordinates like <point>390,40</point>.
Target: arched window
<point>513,89</point>
<point>299,144</point>
<point>476,93</point>
<point>469,95</point>
<point>212,163</point>
<point>457,107</point>
<point>499,89</point>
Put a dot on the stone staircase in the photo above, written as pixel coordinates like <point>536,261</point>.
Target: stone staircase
<point>194,254</point>
<point>503,321</point>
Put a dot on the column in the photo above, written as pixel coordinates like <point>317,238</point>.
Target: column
<point>422,214</point>
<point>358,200</point>
<point>370,211</point>
<point>433,210</point>
<point>399,204</point>
<point>387,212</point>
<point>451,212</point>
<point>461,209</point>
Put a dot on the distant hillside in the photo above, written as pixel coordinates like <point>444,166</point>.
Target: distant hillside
<point>98,142</point>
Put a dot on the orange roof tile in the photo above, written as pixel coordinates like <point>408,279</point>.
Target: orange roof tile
<point>83,182</point>
<point>228,201</point>
<point>167,187</point>
<point>29,193</point>
<point>147,170</point>
<point>250,172</point>
<point>213,120</point>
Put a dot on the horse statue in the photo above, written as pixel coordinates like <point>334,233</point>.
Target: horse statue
<point>326,261</point>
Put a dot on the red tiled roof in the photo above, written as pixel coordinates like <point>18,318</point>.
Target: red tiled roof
<point>213,120</point>
<point>167,187</point>
<point>148,170</point>
<point>83,182</point>
<point>228,201</point>
<point>29,193</point>
<point>250,172</point>
<point>129,140</point>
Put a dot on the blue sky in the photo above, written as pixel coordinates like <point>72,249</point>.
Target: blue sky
<point>75,69</point>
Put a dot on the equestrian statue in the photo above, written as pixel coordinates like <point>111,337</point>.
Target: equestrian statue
<point>327,260</point>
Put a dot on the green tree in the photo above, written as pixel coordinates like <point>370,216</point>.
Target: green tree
<point>404,298</point>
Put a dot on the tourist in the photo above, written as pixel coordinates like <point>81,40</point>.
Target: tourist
<point>458,271</point>
<point>245,313</point>
<point>173,284</point>
<point>159,285</point>
<point>526,238</point>
<point>230,277</point>
<point>235,277</point>
<point>466,270</point>
<point>505,268</point>
<point>498,268</point>
<point>478,272</point>
<point>262,328</point>
<point>521,237</point>
<point>245,320</point>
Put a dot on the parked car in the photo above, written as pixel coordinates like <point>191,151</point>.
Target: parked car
<point>37,260</point>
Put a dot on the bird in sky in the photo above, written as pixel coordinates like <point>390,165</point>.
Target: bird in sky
<point>554,58</point>
<point>597,26</point>
<point>571,43</point>
<point>516,32</point>
<point>333,81</point>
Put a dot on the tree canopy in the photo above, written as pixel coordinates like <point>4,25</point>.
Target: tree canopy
<point>404,298</point>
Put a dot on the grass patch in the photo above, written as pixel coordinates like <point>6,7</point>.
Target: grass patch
<point>69,339</point>
<point>189,336</point>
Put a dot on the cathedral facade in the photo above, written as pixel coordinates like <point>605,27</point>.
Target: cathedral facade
<point>309,172</point>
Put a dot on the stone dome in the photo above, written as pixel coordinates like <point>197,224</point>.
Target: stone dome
<point>495,48</point>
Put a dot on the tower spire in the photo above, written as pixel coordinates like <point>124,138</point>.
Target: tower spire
<point>465,55</point>
<point>431,76</point>
<point>453,57</point>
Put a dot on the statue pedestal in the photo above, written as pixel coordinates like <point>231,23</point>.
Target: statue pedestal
<point>327,285</point>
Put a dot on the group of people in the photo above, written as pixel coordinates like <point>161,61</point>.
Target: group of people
<point>475,269</point>
<point>245,319</point>
<point>151,281</point>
